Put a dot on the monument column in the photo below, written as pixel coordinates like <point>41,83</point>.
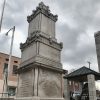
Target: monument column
<point>91,87</point>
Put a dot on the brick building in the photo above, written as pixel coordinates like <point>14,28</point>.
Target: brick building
<point>12,81</point>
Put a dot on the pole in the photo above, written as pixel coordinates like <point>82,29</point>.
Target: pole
<point>89,64</point>
<point>5,94</point>
<point>6,76</point>
<point>2,14</point>
<point>10,54</point>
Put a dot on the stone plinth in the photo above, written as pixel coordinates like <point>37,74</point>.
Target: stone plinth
<point>42,82</point>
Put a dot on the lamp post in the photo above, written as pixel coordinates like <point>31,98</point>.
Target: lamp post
<point>6,74</point>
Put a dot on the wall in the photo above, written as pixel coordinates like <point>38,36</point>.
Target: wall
<point>12,81</point>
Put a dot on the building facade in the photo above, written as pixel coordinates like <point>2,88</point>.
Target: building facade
<point>12,80</point>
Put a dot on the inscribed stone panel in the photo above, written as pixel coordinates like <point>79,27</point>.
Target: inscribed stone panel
<point>25,87</point>
<point>29,52</point>
<point>49,52</point>
<point>49,84</point>
<point>48,26</point>
<point>34,25</point>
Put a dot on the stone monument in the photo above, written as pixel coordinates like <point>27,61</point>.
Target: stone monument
<point>40,73</point>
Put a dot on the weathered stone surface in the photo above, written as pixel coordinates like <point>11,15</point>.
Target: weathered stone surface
<point>49,84</point>
<point>40,37</point>
<point>33,48</point>
<point>48,62</point>
<point>42,20</point>
<point>25,84</point>
<point>43,24</point>
<point>42,82</point>
<point>36,52</point>
<point>29,52</point>
<point>49,52</point>
<point>44,10</point>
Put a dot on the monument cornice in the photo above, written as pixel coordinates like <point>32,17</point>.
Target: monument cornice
<point>38,37</point>
<point>39,65</point>
<point>44,60</point>
<point>44,10</point>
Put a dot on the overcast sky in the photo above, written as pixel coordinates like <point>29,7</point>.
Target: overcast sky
<point>77,22</point>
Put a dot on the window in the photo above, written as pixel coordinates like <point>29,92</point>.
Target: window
<point>7,59</point>
<point>15,69</point>
<point>11,90</point>
<point>5,69</point>
<point>15,61</point>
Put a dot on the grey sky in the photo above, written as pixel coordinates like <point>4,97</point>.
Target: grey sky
<point>77,22</point>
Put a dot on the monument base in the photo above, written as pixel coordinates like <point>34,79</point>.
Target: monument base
<point>37,98</point>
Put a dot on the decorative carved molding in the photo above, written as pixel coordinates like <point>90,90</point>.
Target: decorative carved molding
<point>61,45</point>
<point>97,34</point>
<point>40,61</point>
<point>50,40</point>
<point>36,64</point>
<point>37,36</point>
<point>34,37</point>
<point>44,10</point>
<point>48,62</point>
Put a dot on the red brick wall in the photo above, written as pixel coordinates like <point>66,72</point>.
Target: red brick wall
<point>3,57</point>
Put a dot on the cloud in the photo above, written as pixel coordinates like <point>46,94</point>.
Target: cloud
<point>77,22</point>
<point>78,39</point>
